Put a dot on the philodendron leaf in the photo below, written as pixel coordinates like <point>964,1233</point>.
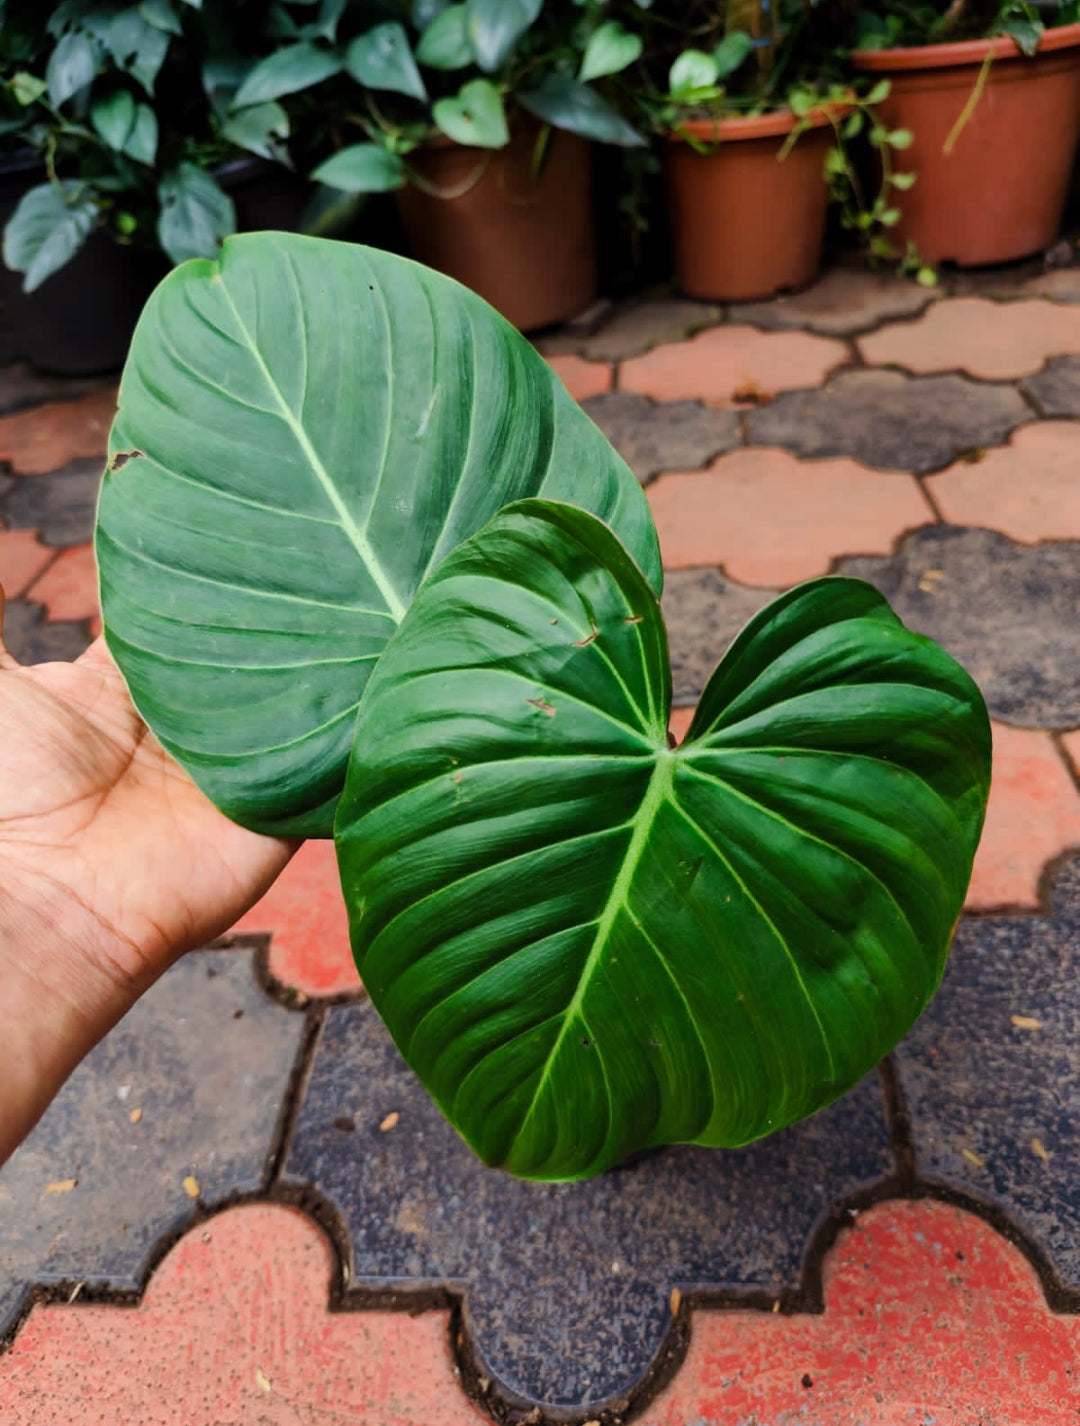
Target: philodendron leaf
<point>586,943</point>
<point>305,429</point>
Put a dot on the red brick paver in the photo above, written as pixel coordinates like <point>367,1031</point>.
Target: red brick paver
<point>22,558</point>
<point>771,519</point>
<point>730,366</point>
<point>48,437</point>
<point>1033,816</point>
<point>305,913</point>
<point>69,589</point>
<point>580,377</point>
<point>930,1317</point>
<point>993,340</point>
<point>1028,489</point>
<point>234,1330</point>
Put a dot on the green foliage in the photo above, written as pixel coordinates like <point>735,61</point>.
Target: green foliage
<point>885,24</point>
<point>334,606</point>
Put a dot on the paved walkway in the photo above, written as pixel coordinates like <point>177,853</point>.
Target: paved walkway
<point>242,1209</point>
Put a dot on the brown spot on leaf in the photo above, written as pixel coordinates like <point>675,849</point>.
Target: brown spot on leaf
<point>584,643</point>
<point>121,458</point>
<point>543,705</point>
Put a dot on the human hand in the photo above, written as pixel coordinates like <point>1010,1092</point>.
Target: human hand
<point>112,864</point>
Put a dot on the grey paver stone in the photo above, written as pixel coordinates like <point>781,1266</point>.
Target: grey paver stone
<point>31,638</point>
<point>842,302</point>
<point>975,1081</point>
<point>21,386</point>
<point>891,420</point>
<point>1008,612</point>
<point>703,611</point>
<point>636,326</point>
<point>207,1057</point>
<point>653,437</point>
<point>567,1286</point>
<point>61,505</point>
<point>1056,389</point>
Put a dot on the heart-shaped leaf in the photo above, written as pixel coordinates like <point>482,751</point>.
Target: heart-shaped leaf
<point>474,116</point>
<point>305,429</point>
<point>586,943</point>
<point>382,59</point>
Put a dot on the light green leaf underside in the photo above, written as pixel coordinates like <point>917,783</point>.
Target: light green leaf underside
<point>315,425</point>
<point>586,943</point>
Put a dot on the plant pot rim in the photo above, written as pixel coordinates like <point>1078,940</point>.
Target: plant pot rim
<point>771,125</point>
<point>971,52</point>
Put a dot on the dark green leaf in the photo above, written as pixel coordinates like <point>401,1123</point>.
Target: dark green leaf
<point>137,46</point>
<point>163,14</point>
<point>142,142</point>
<point>287,71</point>
<point>363,168</point>
<point>196,216</point>
<point>474,116</point>
<point>325,27</point>
<point>261,129</point>
<point>609,50</point>
<point>381,59</point>
<point>732,52</point>
<point>445,42</point>
<point>1027,33</point>
<point>424,11</point>
<point>72,66</point>
<point>562,101</point>
<point>319,425</point>
<point>48,227</point>
<point>587,944</point>
<point>114,118</point>
<point>495,26</point>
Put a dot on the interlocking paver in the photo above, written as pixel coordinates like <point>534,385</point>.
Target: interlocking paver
<point>991,1074</point>
<point>889,420</point>
<point>637,325</point>
<point>304,914</point>
<point>733,365</point>
<point>568,1285</point>
<point>1028,489</point>
<point>931,1319</point>
<point>670,435</point>
<point>703,612</point>
<point>842,302</point>
<point>50,436</point>
<point>1033,817</point>
<point>995,341</point>
<point>206,1058</point>
<point>60,508</point>
<point>68,588</point>
<point>31,638</point>
<point>580,377</point>
<point>1006,611</point>
<point>769,518</point>
<point>1056,389</point>
<point>22,558</point>
<point>235,1330</point>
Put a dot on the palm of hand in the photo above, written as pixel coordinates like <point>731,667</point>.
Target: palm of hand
<point>93,811</point>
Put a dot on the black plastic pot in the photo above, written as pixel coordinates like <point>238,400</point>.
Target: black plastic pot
<point>79,321</point>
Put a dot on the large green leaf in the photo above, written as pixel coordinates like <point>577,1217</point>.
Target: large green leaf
<point>586,943</point>
<point>315,425</point>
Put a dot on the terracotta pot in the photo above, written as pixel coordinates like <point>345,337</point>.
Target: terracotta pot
<point>744,223</point>
<point>524,242</point>
<point>1000,193</point>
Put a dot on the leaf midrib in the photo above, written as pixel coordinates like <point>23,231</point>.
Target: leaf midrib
<point>659,791</point>
<point>352,530</point>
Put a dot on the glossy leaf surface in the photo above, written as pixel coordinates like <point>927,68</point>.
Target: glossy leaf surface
<point>305,429</point>
<point>586,943</point>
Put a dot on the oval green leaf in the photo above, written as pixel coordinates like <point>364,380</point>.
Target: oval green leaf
<point>305,429</point>
<point>586,943</point>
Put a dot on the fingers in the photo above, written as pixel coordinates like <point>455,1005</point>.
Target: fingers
<point>6,659</point>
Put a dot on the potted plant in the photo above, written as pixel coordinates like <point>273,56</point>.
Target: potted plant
<point>123,149</point>
<point>755,118</point>
<point>479,115</point>
<point>991,96</point>
<point>390,583</point>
